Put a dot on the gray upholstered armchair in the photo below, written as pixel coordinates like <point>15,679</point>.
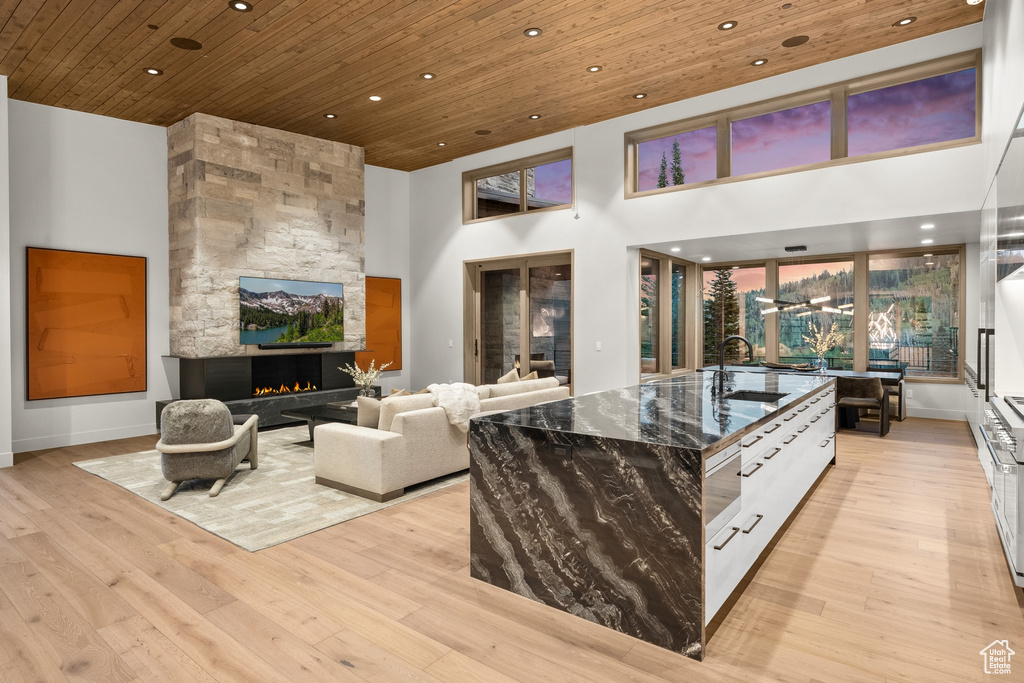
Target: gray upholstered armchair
<point>198,440</point>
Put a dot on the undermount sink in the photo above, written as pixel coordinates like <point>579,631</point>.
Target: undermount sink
<point>759,396</point>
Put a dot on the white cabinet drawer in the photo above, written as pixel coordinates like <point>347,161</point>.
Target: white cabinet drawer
<point>723,567</point>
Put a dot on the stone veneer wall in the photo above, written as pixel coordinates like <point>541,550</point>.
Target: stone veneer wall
<point>254,201</point>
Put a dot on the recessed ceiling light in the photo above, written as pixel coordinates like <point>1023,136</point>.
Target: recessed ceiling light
<point>795,41</point>
<point>675,249</point>
<point>926,255</point>
<point>153,72</point>
<point>706,259</point>
<point>593,69</point>
<point>428,76</point>
<point>927,226</point>
<point>534,116</point>
<point>735,267</point>
<point>974,2</point>
<point>482,131</point>
<point>152,27</point>
<point>929,263</point>
<point>927,241</point>
<point>330,116</point>
<point>905,21</point>
<point>375,98</point>
<point>240,6</point>
<point>532,32</point>
<point>759,62</point>
<point>440,144</point>
<point>639,96</point>
<point>787,5</point>
<point>726,25</point>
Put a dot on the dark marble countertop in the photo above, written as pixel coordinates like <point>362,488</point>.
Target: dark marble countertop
<point>678,412</point>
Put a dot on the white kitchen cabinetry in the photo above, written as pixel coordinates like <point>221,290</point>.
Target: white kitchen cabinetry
<point>781,461</point>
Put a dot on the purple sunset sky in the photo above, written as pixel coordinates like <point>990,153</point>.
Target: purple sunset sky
<point>782,139</point>
<point>934,109</point>
<point>931,110</point>
<point>697,153</point>
<point>553,181</point>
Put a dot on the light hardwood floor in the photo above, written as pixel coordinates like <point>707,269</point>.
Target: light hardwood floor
<point>892,571</point>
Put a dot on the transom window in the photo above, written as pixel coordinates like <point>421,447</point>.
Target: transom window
<point>919,108</point>
<point>533,184</point>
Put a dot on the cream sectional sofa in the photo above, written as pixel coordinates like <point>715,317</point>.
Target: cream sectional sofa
<point>413,441</point>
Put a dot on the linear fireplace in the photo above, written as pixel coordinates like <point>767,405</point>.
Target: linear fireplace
<point>285,374</point>
<point>266,385</point>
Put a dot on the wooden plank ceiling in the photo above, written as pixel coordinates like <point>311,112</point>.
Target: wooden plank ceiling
<point>286,63</point>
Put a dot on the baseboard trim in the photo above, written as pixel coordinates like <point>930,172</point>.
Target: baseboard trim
<point>6,460</point>
<point>78,438</point>
<point>937,413</point>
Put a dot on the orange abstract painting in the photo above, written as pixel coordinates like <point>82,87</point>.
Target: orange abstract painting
<point>383,323</point>
<point>86,323</point>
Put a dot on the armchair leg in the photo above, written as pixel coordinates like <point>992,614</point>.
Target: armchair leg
<point>253,448</point>
<point>169,490</point>
<point>217,486</point>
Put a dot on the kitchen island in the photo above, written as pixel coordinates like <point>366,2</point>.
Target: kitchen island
<point>642,508</point>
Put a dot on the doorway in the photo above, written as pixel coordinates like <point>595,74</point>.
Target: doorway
<point>519,317</point>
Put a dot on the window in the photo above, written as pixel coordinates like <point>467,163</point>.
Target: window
<point>650,310</point>
<point>911,108</point>
<point>782,139</point>
<point>537,183</point>
<point>914,318</point>
<point>800,282</point>
<point>730,306</point>
<point>678,159</point>
<point>666,318</point>
<point>907,317</point>
<point>930,110</point>
<point>678,314</point>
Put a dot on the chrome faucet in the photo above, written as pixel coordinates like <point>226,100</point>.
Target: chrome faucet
<point>721,359</point>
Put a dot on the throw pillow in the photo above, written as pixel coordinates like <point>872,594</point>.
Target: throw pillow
<point>511,376</point>
<point>367,411</point>
<point>532,375</point>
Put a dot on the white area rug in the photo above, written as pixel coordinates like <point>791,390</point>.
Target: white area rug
<point>257,508</point>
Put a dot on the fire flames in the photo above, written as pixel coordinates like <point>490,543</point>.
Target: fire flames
<point>268,391</point>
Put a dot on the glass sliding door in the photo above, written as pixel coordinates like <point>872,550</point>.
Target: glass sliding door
<point>650,309</point>
<point>550,296</point>
<point>499,322</point>
<point>519,312</point>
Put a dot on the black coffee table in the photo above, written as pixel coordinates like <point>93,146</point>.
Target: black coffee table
<point>318,415</point>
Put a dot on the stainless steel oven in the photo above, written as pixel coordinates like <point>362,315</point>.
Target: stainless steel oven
<point>1002,431</point>
<point>721,488</point>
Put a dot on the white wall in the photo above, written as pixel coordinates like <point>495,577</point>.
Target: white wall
<point>387,254</point>
<point>606,277</point>
<point>88,183</point>
<point>1002,77</point>
<point>6,454</point>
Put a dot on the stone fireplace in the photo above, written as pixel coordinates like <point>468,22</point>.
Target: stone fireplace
<point>252,201</point>
<point>245,200</point>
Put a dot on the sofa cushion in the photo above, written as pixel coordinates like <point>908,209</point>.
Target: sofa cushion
<point>483,391</point>
<point>510,376</point>
<point>367,411</point>
<point>524,399</point>
<point>393,405</point>
<point>531,376</point>
<point>498,390</point>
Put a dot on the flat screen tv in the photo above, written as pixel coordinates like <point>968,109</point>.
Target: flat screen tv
<point>289,312</point>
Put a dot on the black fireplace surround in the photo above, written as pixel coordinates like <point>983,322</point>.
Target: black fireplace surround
<point>237,382</point>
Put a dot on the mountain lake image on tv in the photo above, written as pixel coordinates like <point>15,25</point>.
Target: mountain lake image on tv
<point>289,311</point>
